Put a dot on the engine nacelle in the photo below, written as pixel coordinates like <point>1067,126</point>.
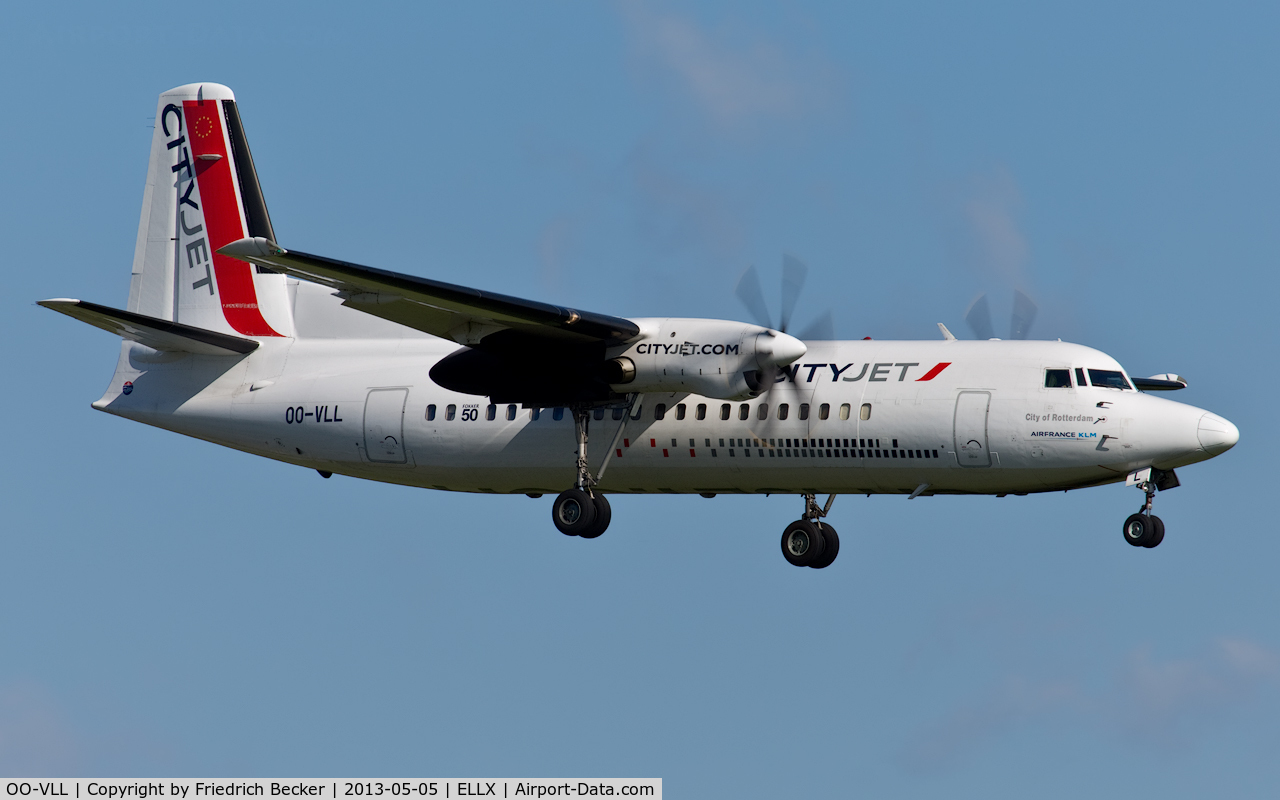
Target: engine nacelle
<point>715,358</point>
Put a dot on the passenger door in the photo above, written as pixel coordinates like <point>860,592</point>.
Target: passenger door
<point>384,425</point>
<point>971,429</point>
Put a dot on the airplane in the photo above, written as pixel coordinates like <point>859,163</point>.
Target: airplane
<point>231,338</point>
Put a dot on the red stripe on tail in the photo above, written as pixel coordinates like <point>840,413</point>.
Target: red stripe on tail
<point>221,209</point>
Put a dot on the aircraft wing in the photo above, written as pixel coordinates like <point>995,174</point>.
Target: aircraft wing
<point>447,310</point>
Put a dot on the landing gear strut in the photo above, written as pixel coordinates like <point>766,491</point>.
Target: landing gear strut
<point>582,511</point>
<point>1144,529</point>
<point>807,542</point>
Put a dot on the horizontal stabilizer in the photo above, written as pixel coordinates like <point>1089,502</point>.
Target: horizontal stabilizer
<point>158,334</point>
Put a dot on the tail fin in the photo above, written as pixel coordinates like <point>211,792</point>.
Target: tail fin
<point>202,193</point>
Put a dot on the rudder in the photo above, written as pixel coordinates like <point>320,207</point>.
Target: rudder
<point>202,193</point>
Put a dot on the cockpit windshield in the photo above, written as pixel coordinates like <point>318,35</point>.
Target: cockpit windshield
<point>1057,379</point>
<point>1108,378</point>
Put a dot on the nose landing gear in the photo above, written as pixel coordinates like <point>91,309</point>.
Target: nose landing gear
<point>1145,529</point>
<point>808,542</point>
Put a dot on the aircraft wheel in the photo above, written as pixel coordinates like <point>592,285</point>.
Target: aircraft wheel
<point>830,546</point>
<point>1157,534</point>
<point>603,515</point>
<point>573,512</point>
<point>1139,529</point>
<point>802,544</point>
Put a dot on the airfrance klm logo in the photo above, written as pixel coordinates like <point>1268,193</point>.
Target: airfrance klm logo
<point>1072,436</point>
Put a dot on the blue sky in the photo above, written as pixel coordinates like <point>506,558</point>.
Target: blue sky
<point>172,608</point>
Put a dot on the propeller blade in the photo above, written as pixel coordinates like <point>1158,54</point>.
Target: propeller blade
<point>1024,314</point>
<point>770,381</point>
<point>979,318</point>
<point>760,381</point>
<point>821,329</point>
<point>794,273</point>
<point>752,296</point>
<point>767,380</point>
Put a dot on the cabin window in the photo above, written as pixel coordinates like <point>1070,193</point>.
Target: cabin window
<point>557,413</point>
<point>701,412</point>
<point>491,413</point>
<point>660,411</point>
<point>1108,378</point>
<point>762,411</point>
<point>744,411</point>
<point>1057,379</point>
<point>1080,381</point>
<point>619,412</point>
<point>534,413</point>
<point>804,411</point>
<point>844,411</point>
<point>450,411</point>
<point>865,413</point>
<point>639,410</point>
<point>783,408</point>
<point>824,411</point>
<point>598,413</point>
<point>431,412</point>
<point>724,412</point>
<point>680,412</point>
<point>511,412</point>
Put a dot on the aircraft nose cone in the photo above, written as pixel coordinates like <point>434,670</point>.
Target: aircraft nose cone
<point>780,348</point>
<point>1217,435</point>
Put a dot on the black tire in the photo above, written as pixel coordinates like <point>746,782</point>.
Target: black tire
<point>603,515</point>
<point>1157,535</point>
<point>573,512</point>
<point>1138,529</point>
<point>802,544</point>
<point>830,546</point>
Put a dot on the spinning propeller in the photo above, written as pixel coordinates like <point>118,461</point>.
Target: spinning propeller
<point>749,292</point>
<point>979,317</point>
<point>794,273</point>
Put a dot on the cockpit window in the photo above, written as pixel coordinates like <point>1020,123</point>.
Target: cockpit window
<point>1108,378</point>
<point>1057,379</point>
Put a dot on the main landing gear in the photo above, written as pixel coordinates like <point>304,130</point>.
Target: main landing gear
<point>577,512</point>
<point>807,542</point>
<point>581,511</point>
<point>1145,529</point>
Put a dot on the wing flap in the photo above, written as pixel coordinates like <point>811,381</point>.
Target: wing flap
<point>442,309</point>
<point>158,334</point>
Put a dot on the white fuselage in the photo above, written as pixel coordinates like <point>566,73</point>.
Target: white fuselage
<point>861,417</point>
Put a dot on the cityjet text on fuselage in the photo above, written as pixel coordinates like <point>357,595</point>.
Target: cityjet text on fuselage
<point>873,372</point>
<point>686,349</point>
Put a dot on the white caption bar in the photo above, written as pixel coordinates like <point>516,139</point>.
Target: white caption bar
<point>333,789</point>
